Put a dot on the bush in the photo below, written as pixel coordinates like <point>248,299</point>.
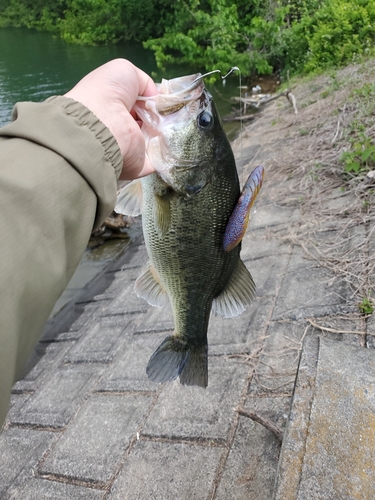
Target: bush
<point>219,34</point>
<point>338,33</point>
<point>37,14</point>
<point>298,35</point>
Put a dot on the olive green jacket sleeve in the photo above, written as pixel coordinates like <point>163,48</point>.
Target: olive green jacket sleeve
<point>58,171</point>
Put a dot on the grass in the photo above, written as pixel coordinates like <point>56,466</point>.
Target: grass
<point>366,306</point>
<point>331,147</point>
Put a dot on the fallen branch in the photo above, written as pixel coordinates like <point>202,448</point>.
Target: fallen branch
<point>240,118</point>
<point>262,421</point>
<point>332,330</point>
<point>338,126</point>
<point>260,100</point>
<point>293,101</point>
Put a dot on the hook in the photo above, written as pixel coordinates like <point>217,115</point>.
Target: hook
<point>194,82</point>
<point>235,68</point>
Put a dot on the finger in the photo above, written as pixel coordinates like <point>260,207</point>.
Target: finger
<point>146,85</point>
<point>130,81</point>
<point>134,154</point>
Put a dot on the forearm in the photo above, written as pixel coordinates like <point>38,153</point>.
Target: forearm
<point>58,168</point>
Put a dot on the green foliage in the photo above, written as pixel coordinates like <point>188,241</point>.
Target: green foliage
<point>4,4</point>
<point>259,37</point>
<point>298,35</point>
<point>337,33</point>
<point>266,37</point>
<point>32,14</point>
<point>364,98</point>
<point>298,9</point>
<point>366,306</point>
<point>219,34</point>
<point>361,157</point>
<point>89,21</point>
<point>199,37</point>
<point>100,21</point>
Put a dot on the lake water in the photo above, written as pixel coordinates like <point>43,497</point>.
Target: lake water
<point>36,65</point>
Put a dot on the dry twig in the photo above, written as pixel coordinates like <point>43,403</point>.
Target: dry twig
<point>262,421</point>
<point>332,330</point>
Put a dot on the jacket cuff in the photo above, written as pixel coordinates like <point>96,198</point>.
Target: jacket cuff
<point>73,132</point>
<point>101,132</point>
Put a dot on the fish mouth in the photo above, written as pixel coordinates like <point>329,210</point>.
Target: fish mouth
<point>183,88</point>
<point>175,94</point>
<point>166,118</point>
<point>177,87</point>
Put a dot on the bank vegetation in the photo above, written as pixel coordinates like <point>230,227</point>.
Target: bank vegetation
<point>299,36</point>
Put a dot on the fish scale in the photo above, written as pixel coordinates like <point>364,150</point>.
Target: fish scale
<point>186,207</point>
<point>189,259</point>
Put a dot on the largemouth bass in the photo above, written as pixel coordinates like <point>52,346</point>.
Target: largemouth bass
<point>193,220</point>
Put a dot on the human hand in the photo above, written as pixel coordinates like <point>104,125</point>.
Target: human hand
<point>110,92</point>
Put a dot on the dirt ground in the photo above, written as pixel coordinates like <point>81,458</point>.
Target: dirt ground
<point>335,115</point>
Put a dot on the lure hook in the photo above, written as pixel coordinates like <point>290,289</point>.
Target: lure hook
<point>194,82</point>
<point>235,68</point>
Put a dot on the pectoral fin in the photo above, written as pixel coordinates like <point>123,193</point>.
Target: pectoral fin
<point>162,214</point>
<point>129,199</point>
<point>238,293</point>
<point>149,287</point>
<point>239,219</point>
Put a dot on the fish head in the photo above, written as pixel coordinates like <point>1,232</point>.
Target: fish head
<point>182,131</point>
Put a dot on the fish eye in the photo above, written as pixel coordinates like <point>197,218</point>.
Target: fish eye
<point>205,120</point>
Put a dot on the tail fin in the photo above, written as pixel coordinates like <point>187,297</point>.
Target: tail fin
<point>174,358</point>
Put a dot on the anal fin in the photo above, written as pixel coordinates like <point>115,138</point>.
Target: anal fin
<point>238,293</point>
<point>148,286</point>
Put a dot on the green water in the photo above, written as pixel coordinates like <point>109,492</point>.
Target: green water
<point>35,65</point>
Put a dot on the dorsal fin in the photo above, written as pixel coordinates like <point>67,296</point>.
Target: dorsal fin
<point>129,199</point>
<point>148,287</point>
<point>238,293</point>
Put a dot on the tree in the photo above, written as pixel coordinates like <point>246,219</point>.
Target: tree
<point>219,34</point>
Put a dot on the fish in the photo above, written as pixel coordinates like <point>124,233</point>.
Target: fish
<point>194,217</point>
